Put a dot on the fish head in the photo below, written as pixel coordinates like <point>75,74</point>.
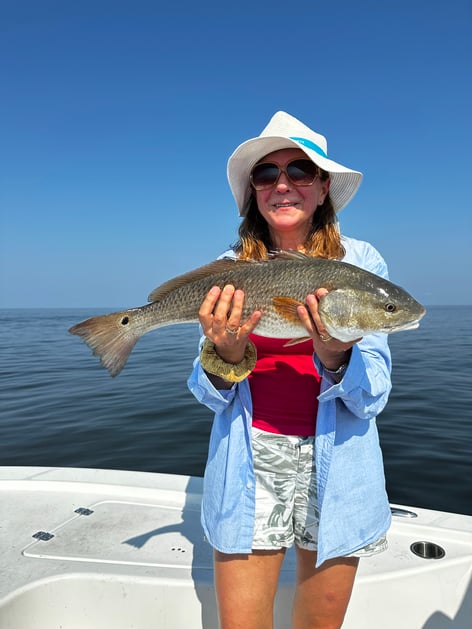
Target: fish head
<point>350,313</point>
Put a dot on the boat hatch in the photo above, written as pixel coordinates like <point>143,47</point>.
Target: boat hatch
<point>127,533</point>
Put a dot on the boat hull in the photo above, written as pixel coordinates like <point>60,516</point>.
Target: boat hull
<point>106,549</point>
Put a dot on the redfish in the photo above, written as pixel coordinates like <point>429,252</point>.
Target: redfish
<point>358,303</point>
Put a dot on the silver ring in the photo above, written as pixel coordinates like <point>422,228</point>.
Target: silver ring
<point>233,332</point>
<point>326,338</point>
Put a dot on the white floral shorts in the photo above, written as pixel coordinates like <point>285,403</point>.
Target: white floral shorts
<point>286,494</point>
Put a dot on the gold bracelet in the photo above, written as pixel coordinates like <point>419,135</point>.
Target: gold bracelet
<point>215,365</point>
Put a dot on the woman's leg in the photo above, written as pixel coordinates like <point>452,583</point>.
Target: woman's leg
<point>245,588</point>
<point>322,594</point>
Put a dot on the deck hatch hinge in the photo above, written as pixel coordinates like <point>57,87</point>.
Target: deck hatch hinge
<point>84,511</point>
<point>43,536</point>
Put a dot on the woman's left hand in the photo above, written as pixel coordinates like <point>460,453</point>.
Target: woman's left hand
<point>332,352</point>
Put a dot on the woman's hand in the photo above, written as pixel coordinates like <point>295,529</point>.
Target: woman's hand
<point>332,352</point>
<point>220,317</point>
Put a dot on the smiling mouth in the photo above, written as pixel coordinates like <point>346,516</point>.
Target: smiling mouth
<point>288,204</point>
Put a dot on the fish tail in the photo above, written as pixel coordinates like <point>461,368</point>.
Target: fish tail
<point>111,337</point>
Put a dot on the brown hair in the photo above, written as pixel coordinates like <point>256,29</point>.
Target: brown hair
<point>323,240</point>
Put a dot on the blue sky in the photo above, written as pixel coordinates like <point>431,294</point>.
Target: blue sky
<point>117,119</point>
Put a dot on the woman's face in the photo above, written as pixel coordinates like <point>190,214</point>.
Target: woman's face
<point>288,208</point>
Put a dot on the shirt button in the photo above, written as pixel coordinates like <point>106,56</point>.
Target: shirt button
<point>249,485</point>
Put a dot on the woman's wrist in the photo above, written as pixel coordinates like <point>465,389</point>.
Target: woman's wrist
<point>335,362</point>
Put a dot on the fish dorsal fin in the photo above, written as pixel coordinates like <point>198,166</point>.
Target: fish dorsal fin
<point>213,268</point>
<point>289,254</point>
<point>286,308</point>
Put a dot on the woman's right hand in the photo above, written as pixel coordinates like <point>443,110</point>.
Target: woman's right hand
<point>220,317</point>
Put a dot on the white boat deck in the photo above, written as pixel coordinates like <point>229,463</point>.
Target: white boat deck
<point>125,550</point>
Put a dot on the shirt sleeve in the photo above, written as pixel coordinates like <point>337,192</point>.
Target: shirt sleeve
<point>217,400</point>
<point>366,384</point>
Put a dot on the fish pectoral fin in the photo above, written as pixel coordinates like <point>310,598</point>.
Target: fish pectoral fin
<point>302,339</point>
<point>286,308</point>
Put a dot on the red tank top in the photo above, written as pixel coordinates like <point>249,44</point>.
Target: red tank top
<point>284,387</point>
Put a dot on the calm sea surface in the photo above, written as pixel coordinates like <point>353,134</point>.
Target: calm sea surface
<point>59,408</point>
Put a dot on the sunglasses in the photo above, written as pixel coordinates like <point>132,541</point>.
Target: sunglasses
<point>301,172</point>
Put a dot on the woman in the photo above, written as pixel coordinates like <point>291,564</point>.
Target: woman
<point>294,456</point>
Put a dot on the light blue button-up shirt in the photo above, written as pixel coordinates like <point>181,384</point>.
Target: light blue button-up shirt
<point>354,508</point>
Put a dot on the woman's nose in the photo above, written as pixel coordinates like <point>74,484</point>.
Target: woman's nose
<point>283,183</point>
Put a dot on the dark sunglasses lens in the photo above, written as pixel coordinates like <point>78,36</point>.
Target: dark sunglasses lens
<point>265,175</point>
<point>302,172</point>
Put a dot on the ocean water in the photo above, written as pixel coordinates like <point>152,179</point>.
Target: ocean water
<point>58,407</point>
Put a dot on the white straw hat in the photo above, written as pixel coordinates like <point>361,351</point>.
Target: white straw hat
<point>285,131</point>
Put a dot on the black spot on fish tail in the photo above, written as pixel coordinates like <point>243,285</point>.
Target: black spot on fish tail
<point>110,337</point>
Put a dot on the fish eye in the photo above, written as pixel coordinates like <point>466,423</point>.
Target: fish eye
<point>389,307</point>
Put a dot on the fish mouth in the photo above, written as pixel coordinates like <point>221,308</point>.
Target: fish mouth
<point>412,325</point>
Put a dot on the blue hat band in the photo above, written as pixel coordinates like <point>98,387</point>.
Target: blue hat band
<point>309,144</point>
